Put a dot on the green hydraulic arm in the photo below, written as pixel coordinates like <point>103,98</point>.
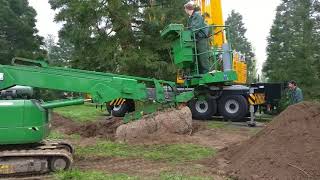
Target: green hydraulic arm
<point>103,87</point>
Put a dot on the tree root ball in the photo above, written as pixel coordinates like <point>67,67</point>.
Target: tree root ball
<point>171,121</point>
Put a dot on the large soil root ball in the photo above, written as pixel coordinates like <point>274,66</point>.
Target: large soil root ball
<point>171,121</point>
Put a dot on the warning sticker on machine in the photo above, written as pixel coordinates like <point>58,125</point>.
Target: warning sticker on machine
<point>5,169</point>
<point>1,76</point>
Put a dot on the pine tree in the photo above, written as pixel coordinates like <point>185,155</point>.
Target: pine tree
<point>119,36</point>
<point>59,54</point>
<point>292,46</point>
<point>240,43</point>
<point>18,31</point>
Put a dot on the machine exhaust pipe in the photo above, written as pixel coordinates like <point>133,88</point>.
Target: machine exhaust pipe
<point>226,57</point>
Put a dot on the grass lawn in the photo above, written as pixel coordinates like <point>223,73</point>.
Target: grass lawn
<point>229,126</point>
<point>55,135</point>
<point>90,175</point>
<point>96,175</point>
<point>171,153</point>
<point>81,113</point>
<point>217,124</point>
<point>178,176</point>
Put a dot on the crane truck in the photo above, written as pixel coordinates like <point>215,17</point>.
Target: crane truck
<point>25,122</point>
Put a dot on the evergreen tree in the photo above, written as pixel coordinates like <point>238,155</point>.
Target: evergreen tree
<point>119,36</point>
<point>293,46</point>
<point>240,43</point>
<point>59,54</point>
<point>18,31</point>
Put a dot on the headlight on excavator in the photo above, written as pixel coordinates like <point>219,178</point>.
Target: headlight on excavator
<point>1,76</point>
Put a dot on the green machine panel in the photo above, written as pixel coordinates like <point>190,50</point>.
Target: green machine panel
<point>183,50</point>
<point>22,121</point>
<point>182,44</point>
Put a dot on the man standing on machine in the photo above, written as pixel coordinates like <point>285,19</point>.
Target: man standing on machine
<point>197,25</point>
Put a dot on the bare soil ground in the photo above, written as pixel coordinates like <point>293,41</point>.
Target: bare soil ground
<point>288,148</point>
<point>217,138</point>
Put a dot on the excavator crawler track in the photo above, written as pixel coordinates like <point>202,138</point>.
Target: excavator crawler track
<point>39,158</point>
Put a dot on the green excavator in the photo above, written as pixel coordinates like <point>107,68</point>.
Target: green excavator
<point>25,122</point>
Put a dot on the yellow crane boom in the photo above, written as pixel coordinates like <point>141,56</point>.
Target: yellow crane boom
<point>212,11</point>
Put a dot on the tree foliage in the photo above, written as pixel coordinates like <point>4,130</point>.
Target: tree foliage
<point>58,54</point>
<point>119,36</point>
<point>240,42</point>
<point>293,45</point>
<point>17,31</point>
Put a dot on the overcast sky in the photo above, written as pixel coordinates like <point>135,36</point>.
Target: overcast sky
<point>258,16</point>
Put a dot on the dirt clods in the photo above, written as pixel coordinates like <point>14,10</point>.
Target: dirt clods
<point>171,121</point>
<point>288,148</point>
<point>104,129</point>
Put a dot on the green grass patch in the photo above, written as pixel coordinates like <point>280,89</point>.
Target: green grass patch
<point>90,175</point>
<point>178,176</point>
<point>75,136</point>
<point>54,135</point>
<point>81,113</point>
<point>265,118</point>
<point>171,153</point>
<point>228,126</point>
<point>218,125</point>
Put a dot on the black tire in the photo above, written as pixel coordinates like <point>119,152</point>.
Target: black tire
<point>233,107</point>
<point>203,109</point>
<point>121,110</point>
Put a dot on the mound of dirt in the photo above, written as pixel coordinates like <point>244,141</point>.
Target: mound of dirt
<point>104,128</point>
<point>63,124</point>
<point>288,148</point>
<point>171,121</point>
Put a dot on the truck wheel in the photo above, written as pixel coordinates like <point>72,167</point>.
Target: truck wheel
<point>121,110</point>
<point>233,107</point>
<point>202,109</point>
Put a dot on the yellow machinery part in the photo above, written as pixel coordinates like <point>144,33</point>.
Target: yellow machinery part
<point>212,10</point>
<point>180,79</point>
<point>256,99</point>
<point>260,98</point>
<point>240,67</point>
<point>117,102</point>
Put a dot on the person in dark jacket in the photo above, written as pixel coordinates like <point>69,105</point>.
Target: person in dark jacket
<point>197,25</point>
<point>295,93</point>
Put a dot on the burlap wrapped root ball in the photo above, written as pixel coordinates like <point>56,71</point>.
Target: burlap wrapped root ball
<point>171,121</point>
